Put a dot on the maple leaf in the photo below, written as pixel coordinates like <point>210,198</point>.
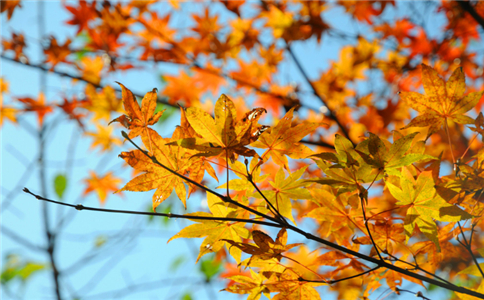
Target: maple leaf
<point>9,7</point>
<point>282,140</point>
<point>180,88</point>
<point>278,20</point>
<point>16,44</point>
<point>243,33</point>
<point>56,53</point>
<point>249,285</point>
<point>349,169</point>
<point>103,103</point>
<point>291,287</point>
<point>39,106</point>
<point>364,10</point>
<point>286,189</point>
<point>442,100</point>
<point>6,111</point>
<point>101,185</point>
<point>222,136</point>
<point>217,233</point>
<point>423,205</point>
<point>241,171</point>
<point>337,213</point>
<point>155,176</point>
<point>104,138</point>
<point>70,107</point>
<point>82,14</point>
<point>265,247</point>
<point>138,119</point>
<point>91,69</point>
<point>479,125</point>
<point>389,159</point>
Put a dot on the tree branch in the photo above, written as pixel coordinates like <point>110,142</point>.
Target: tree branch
<point>466,6</point>
<point>63,74</point>
<point>332,115</point>
<point>168,215</point>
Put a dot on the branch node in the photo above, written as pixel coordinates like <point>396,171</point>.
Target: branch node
<point>79,207</point>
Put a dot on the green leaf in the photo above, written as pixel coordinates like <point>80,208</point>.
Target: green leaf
<point>209,267</point>
<point>187,296</point>
<point>14,267</point>
<point>60,185</point>
<point>177,262</point>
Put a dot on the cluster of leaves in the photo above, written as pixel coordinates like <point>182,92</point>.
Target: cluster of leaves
<point>381,185</point>
<point>338,200</point>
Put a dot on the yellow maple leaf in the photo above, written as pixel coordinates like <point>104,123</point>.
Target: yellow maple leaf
<point>442,100</point>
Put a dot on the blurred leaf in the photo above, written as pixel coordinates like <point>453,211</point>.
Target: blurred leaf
<point>169,111</point>
<point>177,262</point>
<point>210,268</point>
<point>60,184</point>
<point>186,296</point>
<point>14,267</point>
<point>28,269</point>
<point>100,241</point>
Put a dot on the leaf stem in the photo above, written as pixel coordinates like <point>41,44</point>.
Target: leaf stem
<point>276,213</point>
<point>448,138</point>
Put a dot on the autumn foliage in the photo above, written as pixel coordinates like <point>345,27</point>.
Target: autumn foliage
<point>379,185</point>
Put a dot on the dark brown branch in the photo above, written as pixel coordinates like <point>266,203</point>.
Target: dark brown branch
<point>466,5</point>
<point>467,245</point>
<point>354,276</point>
<point>417,267</point>
<point>63,74</point>
<point>384,264</point>
<point>417,294</point>
<point>169,215</point>
<point>276,213</point>
<point>343,279</point>
<point>332,115</point>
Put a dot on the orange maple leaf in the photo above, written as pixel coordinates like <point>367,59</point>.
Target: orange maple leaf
<point>57,53</point>
<point>101,185</point>
<point>283,139</point>
<point>442,100</point>
<point>82,14</point>
<point>103,138</point>
<point>155,176</point>
<point>138,119</point>
<point>37,106</point>
<point>9,7</point>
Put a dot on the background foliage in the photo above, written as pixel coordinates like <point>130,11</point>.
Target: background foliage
<point>343,73</point>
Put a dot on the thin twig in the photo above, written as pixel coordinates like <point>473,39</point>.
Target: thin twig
<point>332,115</point>
<point>64,74</point>
<point>466,5</point>
<point>146,213</point>
<point>276,213</point>
<point>467,246</point>
<point>417,294</point>
<point>450,143</point>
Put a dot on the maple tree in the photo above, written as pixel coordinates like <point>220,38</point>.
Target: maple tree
<point>377,187</point>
